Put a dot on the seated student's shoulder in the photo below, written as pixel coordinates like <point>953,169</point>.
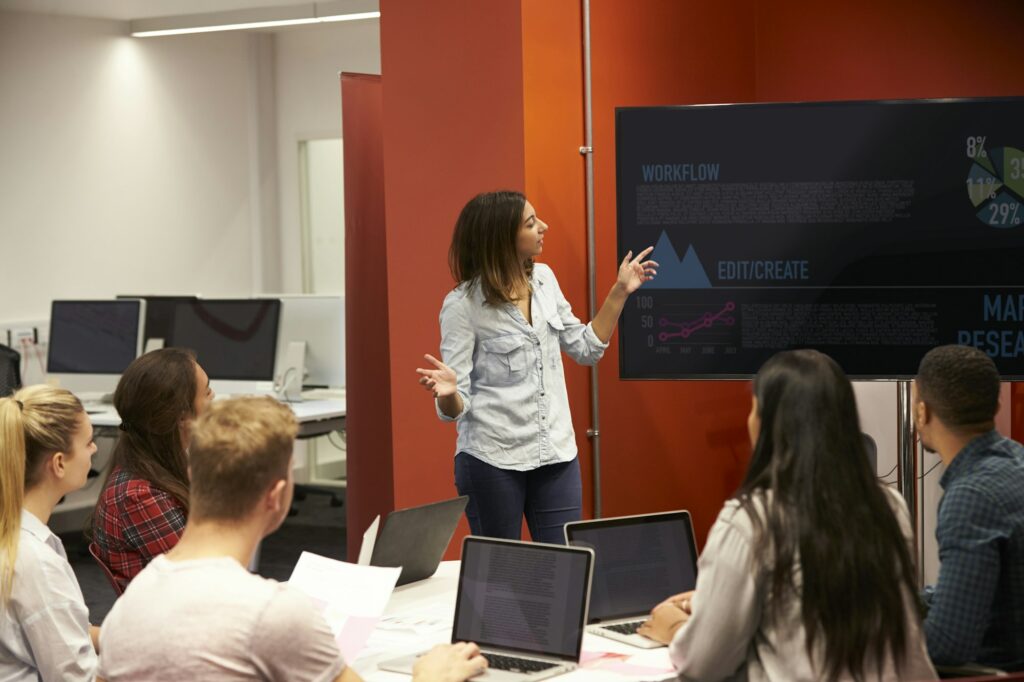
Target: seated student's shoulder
<point>47,579</point>
<point>737,517</point>
<point>894,498</point>
<point>125,488</point>
<point>286,608</point>
<point>292,640</point>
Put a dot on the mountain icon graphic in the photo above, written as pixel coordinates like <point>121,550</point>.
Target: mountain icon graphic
<point>675,274</point>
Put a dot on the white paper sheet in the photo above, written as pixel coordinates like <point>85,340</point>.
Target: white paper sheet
<point>351,598</point>
<point>369,540</point>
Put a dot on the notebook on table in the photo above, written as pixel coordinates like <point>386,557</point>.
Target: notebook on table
<point>524,604</point>
<point>638,562</point>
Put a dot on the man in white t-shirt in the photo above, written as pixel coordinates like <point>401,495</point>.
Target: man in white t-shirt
<point>197,613</point>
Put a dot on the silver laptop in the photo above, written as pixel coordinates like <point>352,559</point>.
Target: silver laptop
<point>638,562</point>
<point>524,603</point>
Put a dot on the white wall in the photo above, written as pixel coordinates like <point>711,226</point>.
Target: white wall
<point>142,165</point>
<point>309,107</point>
<point>124,164</point>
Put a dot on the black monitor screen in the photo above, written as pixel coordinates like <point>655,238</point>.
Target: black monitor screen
<point>872,231</point>
<point>232,339</point>
<point>160,315</point>
<point>92,337</point>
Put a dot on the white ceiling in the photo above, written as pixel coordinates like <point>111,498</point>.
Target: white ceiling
<point>138,9</point>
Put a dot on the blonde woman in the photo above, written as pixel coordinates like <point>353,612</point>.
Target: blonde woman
<point>46,447</point>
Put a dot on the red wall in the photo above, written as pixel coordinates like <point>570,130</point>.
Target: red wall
<point>875,49</point>
<point>369,418</point>
<point>481,95</point>
<point>666,445</point>
<point>453,127</point>
<point>553,133</point>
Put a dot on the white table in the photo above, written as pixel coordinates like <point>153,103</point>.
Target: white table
<point>433,601</point>
<point>316,417</point>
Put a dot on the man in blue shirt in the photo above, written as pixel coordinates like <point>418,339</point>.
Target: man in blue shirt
<point>976,609</point>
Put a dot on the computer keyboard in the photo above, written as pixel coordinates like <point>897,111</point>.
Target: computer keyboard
<point>516,664</point>
<point>629,628</point>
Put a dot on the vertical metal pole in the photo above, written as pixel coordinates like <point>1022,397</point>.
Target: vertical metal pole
<point>905,451</point>
<point>587,150</point>
<point>919,491</point>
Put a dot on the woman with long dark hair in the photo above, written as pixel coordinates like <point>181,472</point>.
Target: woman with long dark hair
<point>503,330</point>
<point>144,505</point>
<point>807,572</point>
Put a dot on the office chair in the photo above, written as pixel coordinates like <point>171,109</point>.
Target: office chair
<point>94,550</point>
<point>871,447</point>
<point>10,371</point>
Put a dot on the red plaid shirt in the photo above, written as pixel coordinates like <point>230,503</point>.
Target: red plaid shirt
<point>134,522</point>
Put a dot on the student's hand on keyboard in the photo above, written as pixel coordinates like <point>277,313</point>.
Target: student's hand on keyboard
<point>682,600</point>
<point>449,663</point>
<point>666,618</point>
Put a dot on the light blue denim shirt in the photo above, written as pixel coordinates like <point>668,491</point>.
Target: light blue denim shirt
<point>515,411</point>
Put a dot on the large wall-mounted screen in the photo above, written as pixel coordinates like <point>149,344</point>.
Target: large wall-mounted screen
<point>872,231</point>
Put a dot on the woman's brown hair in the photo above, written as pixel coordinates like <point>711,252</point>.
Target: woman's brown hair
<point>483,250</point>
<point>155,392</point>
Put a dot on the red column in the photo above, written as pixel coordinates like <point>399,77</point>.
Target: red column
<point>366,333</point>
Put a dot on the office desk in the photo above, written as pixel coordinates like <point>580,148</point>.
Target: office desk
<point>433,600</point>
<point>319,417</point>
<point>316,417</point>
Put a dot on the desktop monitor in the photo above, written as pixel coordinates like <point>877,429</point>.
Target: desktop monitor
<point>319,322</point>
<point>235,340</point>
<point>92,342</point>
<point>159,318</point>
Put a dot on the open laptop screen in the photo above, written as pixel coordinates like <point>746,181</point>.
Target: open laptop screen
<point>523,597</point>
<point>638,561</point>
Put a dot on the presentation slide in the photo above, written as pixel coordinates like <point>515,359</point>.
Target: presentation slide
<point>872,231</point>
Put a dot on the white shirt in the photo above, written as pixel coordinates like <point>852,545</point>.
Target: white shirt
<point>727,637</point>
<point>44,629</point>
<point>212,620</point>
<point>515,406</point>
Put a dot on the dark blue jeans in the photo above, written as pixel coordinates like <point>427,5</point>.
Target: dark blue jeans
<point>548,497</point>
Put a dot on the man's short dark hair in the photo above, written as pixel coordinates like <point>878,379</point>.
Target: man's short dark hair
<point>960,384</point>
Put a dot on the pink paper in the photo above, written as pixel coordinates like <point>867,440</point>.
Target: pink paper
<point>590,658</point>
<point>624,668</point>
<point>354,634</point>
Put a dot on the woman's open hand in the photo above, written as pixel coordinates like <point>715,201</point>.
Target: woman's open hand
<point>440,380</point>
<point>635,271</point>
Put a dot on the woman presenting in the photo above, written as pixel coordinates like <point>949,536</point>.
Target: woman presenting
<point>503,328</point>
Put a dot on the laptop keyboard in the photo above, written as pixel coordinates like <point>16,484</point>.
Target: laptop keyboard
<point>518,665</point>
<point>628,628</point>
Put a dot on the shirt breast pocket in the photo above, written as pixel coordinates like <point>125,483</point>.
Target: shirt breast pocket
<point>555,329</point>
<point>504,360</point>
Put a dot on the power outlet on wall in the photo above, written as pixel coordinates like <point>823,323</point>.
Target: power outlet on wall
<point>21,337</point>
